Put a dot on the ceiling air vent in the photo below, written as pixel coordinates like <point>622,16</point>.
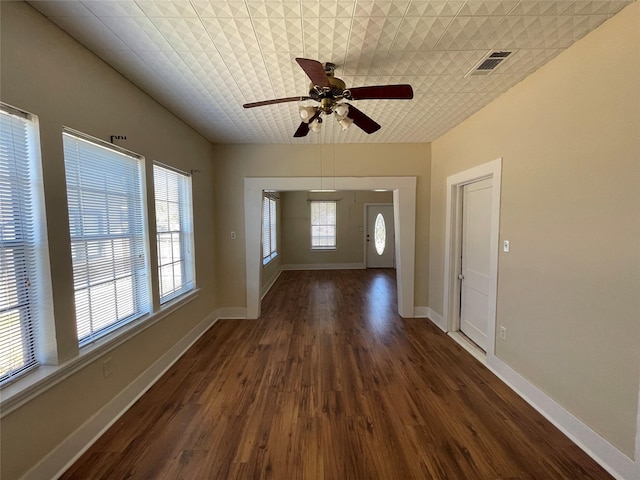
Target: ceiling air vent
<point>489,63</point>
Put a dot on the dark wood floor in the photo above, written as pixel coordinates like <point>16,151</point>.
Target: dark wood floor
<point>331,384</point>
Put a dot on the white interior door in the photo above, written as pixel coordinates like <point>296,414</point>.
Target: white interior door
<point>476,244</point>
<point>380,241</point>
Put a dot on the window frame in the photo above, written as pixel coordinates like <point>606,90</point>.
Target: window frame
<point>269,223</point>
<point>315,223</point>
<point>26,233</point>
<point>137,241</point>
<point>184,233</point>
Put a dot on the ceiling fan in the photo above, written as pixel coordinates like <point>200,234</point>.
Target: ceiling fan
<point>329,91</point>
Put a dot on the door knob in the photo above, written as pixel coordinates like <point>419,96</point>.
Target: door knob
<point>460,277</point>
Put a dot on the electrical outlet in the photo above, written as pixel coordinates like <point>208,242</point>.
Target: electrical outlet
<point>503,333</point>
<point>107,368</point>
<point>233,235</point>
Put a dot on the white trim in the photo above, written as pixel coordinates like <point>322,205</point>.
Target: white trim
<point>421,312</point>
<point>231,313</point>
<point>437,319</point>
<point>404,210</point>
<point>324,266</point>
<point>266,287</point>
<point>58,460</point>
<point>451,307</point>
<point>603,452</point>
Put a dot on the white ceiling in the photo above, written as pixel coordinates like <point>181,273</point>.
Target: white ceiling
<point>203,59</point>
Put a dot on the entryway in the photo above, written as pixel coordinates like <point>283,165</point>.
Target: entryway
<point>380,236</point>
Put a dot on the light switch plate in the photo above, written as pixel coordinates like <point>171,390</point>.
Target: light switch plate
<point>505,246</point>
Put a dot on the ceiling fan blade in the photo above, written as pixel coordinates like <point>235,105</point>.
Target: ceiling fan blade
<point>275,100</point>
<point>315,71</point>
<point>303,129</point>
<point>382,92</point>
<point>363,121</point>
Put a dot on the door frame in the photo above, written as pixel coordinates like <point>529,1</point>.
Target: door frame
<point>404,212</point>
<point>453,246</point>
<point>366,229</point>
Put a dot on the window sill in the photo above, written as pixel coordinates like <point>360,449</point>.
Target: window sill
<point>267,260</point>
<point>43,377</point>
<point>323,249</point>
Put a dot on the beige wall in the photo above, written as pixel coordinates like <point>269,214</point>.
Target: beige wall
<point>296,228</point>
<point>569,136</point>
<point>47,73</point>
<point>235,162</point>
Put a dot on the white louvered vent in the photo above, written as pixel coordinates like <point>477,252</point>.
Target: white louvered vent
<point>489,63</point>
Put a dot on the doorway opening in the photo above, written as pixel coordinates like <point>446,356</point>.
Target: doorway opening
<point>404,205</point>
<point>379,238</point>
<point>483,292</point>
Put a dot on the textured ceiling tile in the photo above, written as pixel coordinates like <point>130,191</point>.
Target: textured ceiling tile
<point>138,33</point>
<point>92,33</point>
<point>231,34</point>
<point>325,33</point>
<point>420,33</point>
<point>404,63</point>
<point>434,8</point>
<point>174,8</point>
<point>275,9</point>
<point>487,7</point>
<point>184,34</point>
<point>527,61</point>
<point>114,8</point>
<point>327,8</point>
<point>61,9</point>
<point>220,9</point>
<point>601,7</point>
<point>448,63</point>
<point>278,34</point>
<point>533,7</point>
<point>468,33</point>
<point>373,33</point>
<point>380,9</point>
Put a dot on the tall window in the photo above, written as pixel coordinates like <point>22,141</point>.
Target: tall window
<point>21,240</point>
<point>108,239</point>
<point>174,224</point>
<point>323,225</point>
<point>269,248</point>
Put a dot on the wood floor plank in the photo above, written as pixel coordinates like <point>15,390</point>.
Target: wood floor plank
<point>331,384</point>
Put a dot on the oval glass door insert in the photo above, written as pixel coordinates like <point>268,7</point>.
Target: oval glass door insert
<point>380,234</point>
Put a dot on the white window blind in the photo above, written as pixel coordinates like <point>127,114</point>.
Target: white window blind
<point>174,224</point>
<point>108,238</point>
<point>323,225</point>
<point>269,232</point>
<point>19,217</point>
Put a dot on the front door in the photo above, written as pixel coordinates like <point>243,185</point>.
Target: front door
<point>476,241</point>
<point>380,241</point>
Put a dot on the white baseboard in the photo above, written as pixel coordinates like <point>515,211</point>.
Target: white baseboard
<point>421,312</point>
<point>71,448</point>
<point>608,456</point>
<point>269,284</point>
<point>231,312</point>
<point>325,266</point>
<point>437,319</point>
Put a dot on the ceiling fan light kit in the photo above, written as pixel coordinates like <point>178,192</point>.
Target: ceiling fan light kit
<point>330,92</point>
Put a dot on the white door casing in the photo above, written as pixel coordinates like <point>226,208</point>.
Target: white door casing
<point>376,257</point>
<point>404,209</point>
<point>452,265</point>
<point>474,278</point>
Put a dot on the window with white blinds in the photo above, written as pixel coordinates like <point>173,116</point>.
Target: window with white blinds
<point>20,214</point>
<point>269,246</point>
<point>108,236</point>
<point>174,224</point>
<point>323,225</point>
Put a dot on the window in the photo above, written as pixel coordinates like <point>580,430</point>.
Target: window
<point>174,225</point>
<point>269,249</point>
<point>323,225</point>
<point>22,242</point>
<point>108,239</point>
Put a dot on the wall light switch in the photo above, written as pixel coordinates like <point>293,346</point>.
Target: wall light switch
<point>233,235</point>
<point>505,246</point>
